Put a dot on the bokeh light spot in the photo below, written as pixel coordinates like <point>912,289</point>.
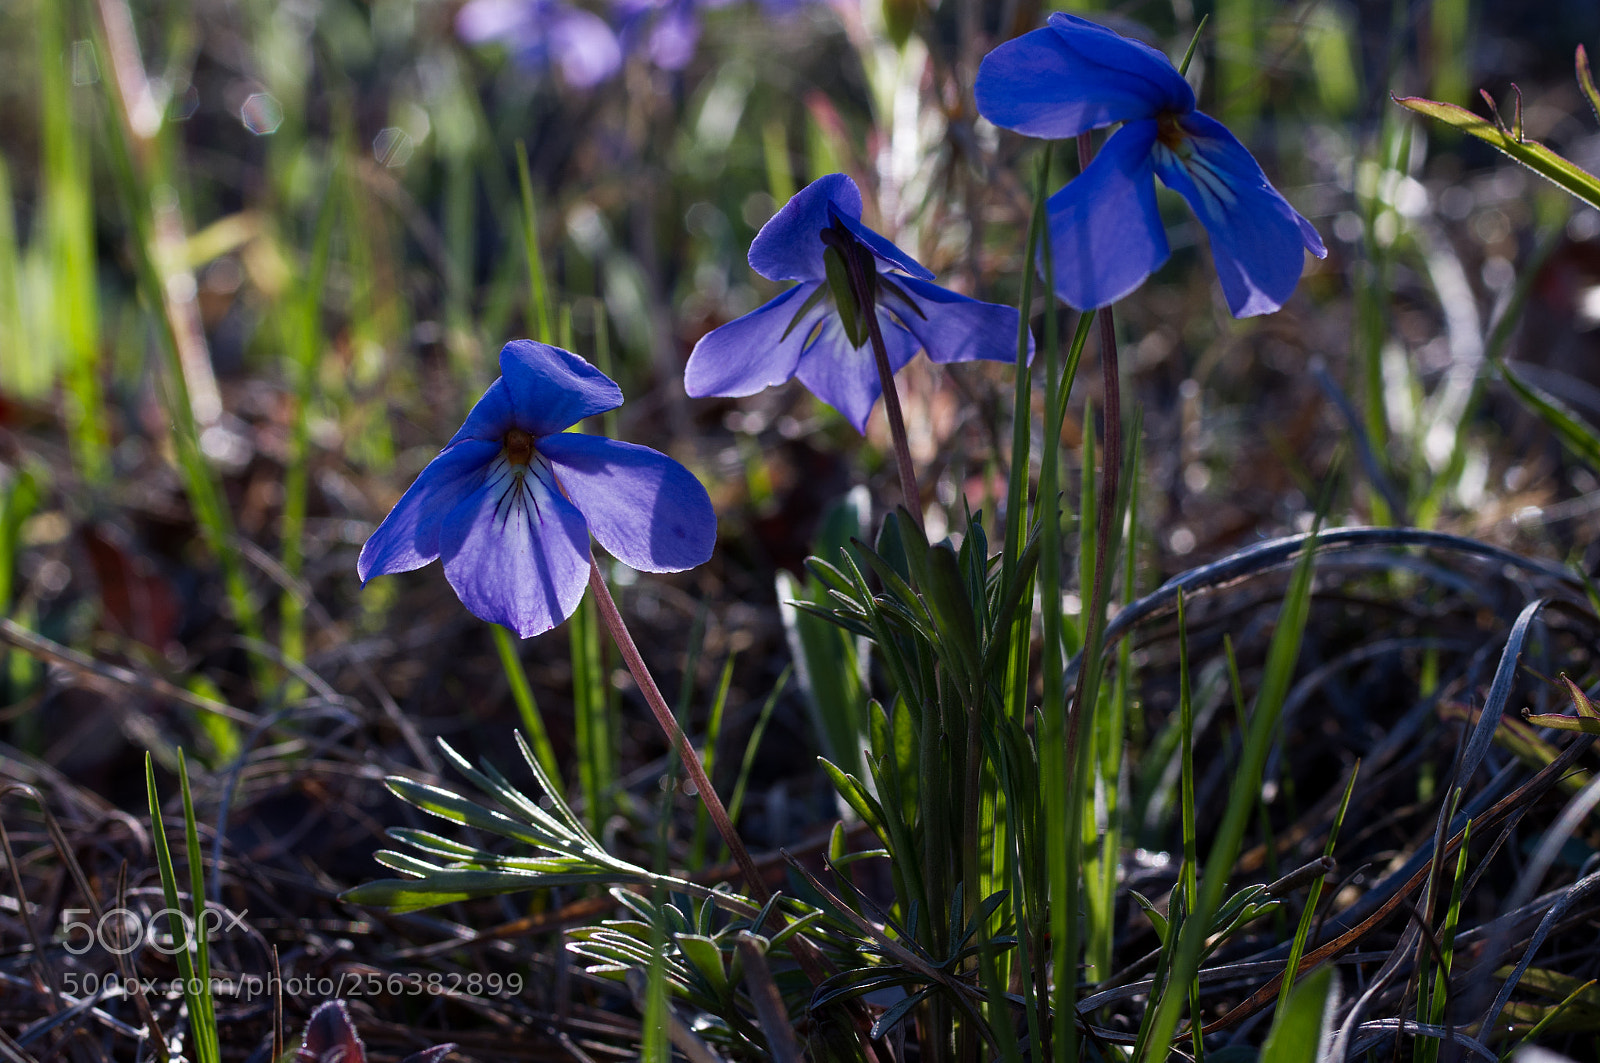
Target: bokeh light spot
<point>261,113</point>
<point>393,146</point>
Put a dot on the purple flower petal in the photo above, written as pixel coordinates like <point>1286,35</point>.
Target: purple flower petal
<point>1105,230</point>
<point>648,511</point>
<point>789,246</point>
<point>551,389</point>
<point>1074,76</point>
<point>408,538</point>
<point>491,418</point>
<point>584,46</point>
<point>882,248</point>
<point>1257,239</point>
<point>955,328</point>
<point>752,352</point>
<point>846,377</point>
<point>481,21</point>
<point>673,37</point>
<point>516,551</point>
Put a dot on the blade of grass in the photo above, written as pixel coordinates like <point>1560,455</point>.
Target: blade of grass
<point>154,244</point>
<point>302,344</point>
<point>1102,826</point>
<point>591,720</point>
<point>538,289</point>
<point>1060,875</point>
<point>1431,1005</point>
<point>1303,1034</point>
<point>1188,885</point>
<point>207,1021</point>
<point>702,820</point>
<point>527,707</point>
<point>1020,635</point>
<point>191,965</point>
<point>1574,433</point>
<point>69,226</point>
<point>736,802</point>
<point>1541,160</point>
<point>1303,931</point>
<point>14,376</point>
<point>1282,653</point>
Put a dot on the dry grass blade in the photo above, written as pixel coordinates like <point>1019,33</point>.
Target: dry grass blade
<point>768,1002</point>
<point>111,679</point>
<point>1511,804</point>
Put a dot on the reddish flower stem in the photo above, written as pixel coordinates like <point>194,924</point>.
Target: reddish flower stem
<point>897,424</point>
<point>669,724</point>
<point>805,953</point>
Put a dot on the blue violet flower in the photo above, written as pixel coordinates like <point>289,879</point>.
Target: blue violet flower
<point>509,504</point>
<point>815,331</point>
<point>1105,230</point>
<point>542,33</point>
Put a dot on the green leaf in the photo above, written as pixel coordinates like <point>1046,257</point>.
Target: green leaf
<point>448,887</point>
<point>946,595</point>
<point>1535,156</point>
<point>1575,434</point>
<point>896,1014</point>
<point>1303,1027</point>
<point>706,958</point>
<point>1586,82</point>
<point>1586,716</point>
<point>1151,913</point>
<point>856,796</point>
<point>844,299</point>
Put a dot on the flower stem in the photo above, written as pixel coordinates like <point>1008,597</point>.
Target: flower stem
<point>1110,474</point>
<point>804,951</point>
<point>669,724</point>
<point>1082,706</point>
<point>863,273</point>
<point>897,424</point>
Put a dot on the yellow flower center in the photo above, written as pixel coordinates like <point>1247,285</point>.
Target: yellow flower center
<point>1169,133</point>
<point>519,447</point>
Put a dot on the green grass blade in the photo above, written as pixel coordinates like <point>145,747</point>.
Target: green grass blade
<point>708,759</point>
<point>1188,885</point>
<point>522,693</point>
<point>538,289</point>
<point>1574,433</point>
<point>205,1023</point>
<point>302,343</point>
<point>1438,997</point>
<point>1241,86</point>
<point>775,152</point>
<point>1297,949</point>
<point>751,747</point>
<point>1062,834</point>
<point>1282,653</point>
<point>69,225</point>
<point>192,961</point>
<point>1561,172</point>
<point>591,718</point>
<point>1305,1029</point>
